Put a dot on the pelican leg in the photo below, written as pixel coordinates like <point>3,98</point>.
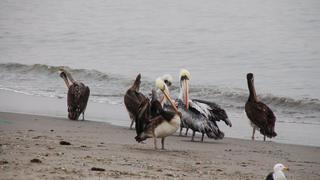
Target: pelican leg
<point>83,116</point>
<point>202,137</point>
<point>155,143</point>
<point>187,129</point>
<point>264,138</point>
<point>180,134</point>
<point>254,130</point>
<point>132,120</point>
<point>131,124</point>
<point>162,143</point>
<point>193,133</point>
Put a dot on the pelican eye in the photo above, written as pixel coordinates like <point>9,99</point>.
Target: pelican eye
<point>184,77</point>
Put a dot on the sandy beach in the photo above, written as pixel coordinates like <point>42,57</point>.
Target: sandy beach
<point>106,44</point>
<point>26,138</point>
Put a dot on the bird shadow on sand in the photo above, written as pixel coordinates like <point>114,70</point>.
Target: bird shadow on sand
<point>152,150</point>
<point>204,142</point>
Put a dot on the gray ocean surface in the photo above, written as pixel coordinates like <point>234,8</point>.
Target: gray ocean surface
<point>105,44</point>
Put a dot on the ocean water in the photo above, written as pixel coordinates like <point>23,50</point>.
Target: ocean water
<point>105,44</point>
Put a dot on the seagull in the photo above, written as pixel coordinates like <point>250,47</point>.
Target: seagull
<point>277,173</point>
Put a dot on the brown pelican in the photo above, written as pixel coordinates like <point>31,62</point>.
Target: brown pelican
<point>167,79</point>
<point>78,95</point>
<point>133,99</point>
<point>199,115</point>
<point>277,173</point>
<point>161,123</point>
<point>260,115</point>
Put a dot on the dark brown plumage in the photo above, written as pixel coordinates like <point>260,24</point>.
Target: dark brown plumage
<point>78,95</point>
<point>260,115</point>
<point>134,100</point>
<point>154,122</point>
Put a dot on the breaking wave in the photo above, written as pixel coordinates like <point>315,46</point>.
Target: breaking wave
<point>33,79</point>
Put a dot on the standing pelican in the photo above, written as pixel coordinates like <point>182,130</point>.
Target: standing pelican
<point>260,115</point>
<point>163,123</point>
<point>78,95</point>
<point>133,99</point>
<point>200,115</point>
<point>167,79</point>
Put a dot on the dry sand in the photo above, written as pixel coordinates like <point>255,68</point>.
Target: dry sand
<point>96,144</point>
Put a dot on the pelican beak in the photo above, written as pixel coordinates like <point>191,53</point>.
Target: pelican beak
<point>185,89</point>
<point>161,85</point>
<point>171,102</point>
<point>64,77</point>
<point>286,168</point>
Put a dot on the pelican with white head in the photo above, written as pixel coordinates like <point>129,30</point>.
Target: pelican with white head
<point>184,87</point>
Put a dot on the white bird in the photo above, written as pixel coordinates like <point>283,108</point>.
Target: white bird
<point>277,173</point>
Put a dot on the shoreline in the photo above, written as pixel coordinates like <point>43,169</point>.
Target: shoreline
<point>124,127</point>
<point>288,133</point>
<point>113,148</point>
<point>197,136</point>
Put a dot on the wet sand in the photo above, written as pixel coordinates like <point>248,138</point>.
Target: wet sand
<point>116,114</point>
<point>96,144</point>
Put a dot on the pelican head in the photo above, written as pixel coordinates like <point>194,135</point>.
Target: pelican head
<point>184,74</point>
<point>280,167</point>
<point>250,77</point>
<point>167,78</point>
<point>64,76</point>
<point>184,87</point>
<point>137,82</point>
<point>162,86</point>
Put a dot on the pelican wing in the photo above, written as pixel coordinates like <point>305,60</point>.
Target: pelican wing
<point>200,108</point>
<point>78,95</point>
<point>212,111</point>
<point>262,116</point>
<point>142,116</point>
<point>84,98</point>
<point>133,100</point>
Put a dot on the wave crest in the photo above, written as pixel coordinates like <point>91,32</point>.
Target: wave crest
<point>114,86</point>
<point>42,69</point>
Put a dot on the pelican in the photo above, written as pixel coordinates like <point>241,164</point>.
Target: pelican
<point>162,123</point>
<point>133,99</point>
<point>277,173</point>
<point>200,115</point>
<point>78,95</point>
<point>260,115</point>
<point>167,79</point>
